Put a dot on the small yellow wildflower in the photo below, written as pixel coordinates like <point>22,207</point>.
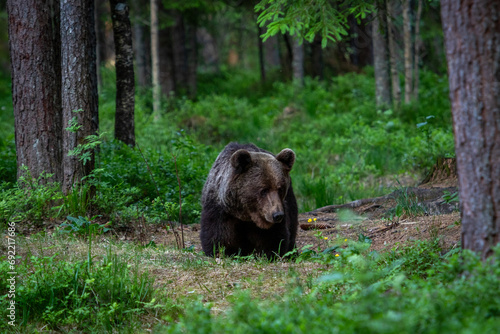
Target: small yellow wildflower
<point>315,219</point>
<point>309,220</point>
<point>326,238</point>
<point>345,240</point>
<point>336,255</point>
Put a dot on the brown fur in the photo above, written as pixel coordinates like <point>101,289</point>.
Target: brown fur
<point>248,202</point>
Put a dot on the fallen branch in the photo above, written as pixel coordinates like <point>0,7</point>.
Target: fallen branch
<point>351,205</point>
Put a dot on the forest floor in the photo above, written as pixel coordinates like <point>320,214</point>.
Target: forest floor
<point>400,218</point>
<point>423,214</point>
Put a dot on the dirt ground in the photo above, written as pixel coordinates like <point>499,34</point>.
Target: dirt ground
<point>369,217</point>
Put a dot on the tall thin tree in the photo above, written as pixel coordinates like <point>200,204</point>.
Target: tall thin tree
<point>381,58</point>
<point>155,57</point>
<point>125,81</point>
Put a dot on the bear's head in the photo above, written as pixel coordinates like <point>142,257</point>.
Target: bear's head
<point>259,186</point>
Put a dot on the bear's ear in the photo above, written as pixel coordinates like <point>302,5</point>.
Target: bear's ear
<point>287,158</point>
<point>241,161</point>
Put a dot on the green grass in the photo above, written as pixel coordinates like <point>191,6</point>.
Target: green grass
<point>126,288</point>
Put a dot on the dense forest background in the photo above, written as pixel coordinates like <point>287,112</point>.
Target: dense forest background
<point>221,82</point>
<point>112,114</point>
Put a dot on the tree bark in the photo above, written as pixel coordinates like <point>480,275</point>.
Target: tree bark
<point>33,41</point>
<point>472,39</point>
<point>416,60</point>
<point>407,51</point>
<point>79,85</point>
<point>125,83</point>
<point>396,89</point>
<point>140,33</point>
<point>381,59</point>
<point>298,61</point>
<point>155,58</point>
<point>261,55</point>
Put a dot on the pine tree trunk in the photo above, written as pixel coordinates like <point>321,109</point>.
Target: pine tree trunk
<point>125,83</point>
<point>407,51</point>
<point>155,58</point>
<point>34,45</point>
<point>472,39</point>
<point>416,60</point>
<point>396,89</point>
<point>79,85</point>
<point>381,60</point>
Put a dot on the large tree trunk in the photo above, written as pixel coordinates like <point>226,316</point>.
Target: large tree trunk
<point>407,51</point>
<point>396,89</point>
<point>125,89</point>
<point>33,38</point>
<point>381,59</point>
<point>79,85</point>
<point>155,58</point>
<point>472,38</point>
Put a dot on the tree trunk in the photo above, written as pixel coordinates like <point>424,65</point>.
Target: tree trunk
<point>104,35</point>
<point>472,39</point>
<point>140,44</point>
<point>416,60</point>
<point>271,53</point>
<point>286,57</point>
<point>318,64</point>
<point>125,89</point>
<point>261,55</point>
<point>298,61</point>
<point>79,85</point>
<point>396,89</point>
<point>381,60</point>
<point>407,51</point>
<point>34,46</point>
<point>209,50</point>
<point>191,60</point>
<point>155,58</point>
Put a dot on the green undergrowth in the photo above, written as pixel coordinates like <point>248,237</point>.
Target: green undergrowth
<point>346,147</point>
<point>370,293</point>
<point>114,286</point>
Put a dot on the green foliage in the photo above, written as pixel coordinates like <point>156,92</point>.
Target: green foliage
<point>309,18</point>
<point>83,227</point>
<point>363,294</point>
<point>99,297</point>
<point>450,197</point>
<point>407,204</point>
<point>31,199</point>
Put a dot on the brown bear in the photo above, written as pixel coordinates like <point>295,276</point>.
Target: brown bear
<point>248,203</point>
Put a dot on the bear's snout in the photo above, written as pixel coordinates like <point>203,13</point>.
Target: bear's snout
<point>278,217</point>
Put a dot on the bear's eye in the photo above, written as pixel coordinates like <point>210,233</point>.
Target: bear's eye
<point>264,192</point>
